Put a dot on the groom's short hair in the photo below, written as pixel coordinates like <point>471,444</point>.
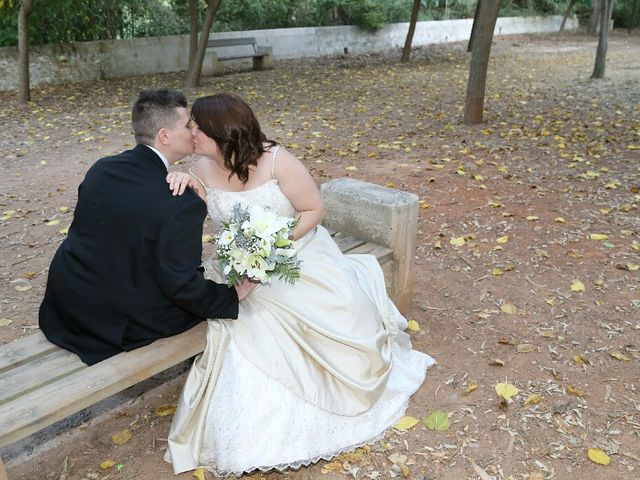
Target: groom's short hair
<point>155,109</point>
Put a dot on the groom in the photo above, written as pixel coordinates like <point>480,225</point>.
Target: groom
<point>127,274</point>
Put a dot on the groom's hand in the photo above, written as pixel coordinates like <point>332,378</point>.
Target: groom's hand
<point>244,288</point>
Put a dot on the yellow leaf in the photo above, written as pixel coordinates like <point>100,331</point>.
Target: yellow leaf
<point>496,271</point>
<point>509,308</point>
<point>5,322</point>
<point>207,238</point>
<point>471,388</point>
<point>122,437</point>
<point>63,209</point>
<point>599,236</point>
<point>525,348</point>
<point>503,239</point>
<point>635,246</point>
<point>496,362</point>
<point>619,356</point>
<point>533,218</point>
<point>64,231</point>
<point>632,267</point>
<point>53,223</point>
<point>506,390</point>
<point>457,241</point>
<point>577,286</point>
<point>549,301</point>
<point>413,326</point>
<point>199,473</point>
<point>405,423</point>
<point>164,410</point>
<point>332,467</point>
<point>598,456</point>
<point>580,359</point>
<point>532,399</point>
<point>574,391</point>
<point>351,168</point>
<point>107,464</point>
<point>559,220</point>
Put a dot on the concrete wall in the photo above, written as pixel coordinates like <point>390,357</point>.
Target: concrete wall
<point>142,56</point>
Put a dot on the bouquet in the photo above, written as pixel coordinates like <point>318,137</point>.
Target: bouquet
<point>255,243</point>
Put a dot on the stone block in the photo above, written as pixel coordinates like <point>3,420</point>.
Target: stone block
<point>381,215</point>
<point>265,62</point>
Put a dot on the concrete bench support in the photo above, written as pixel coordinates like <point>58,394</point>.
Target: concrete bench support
<point>380,215</point>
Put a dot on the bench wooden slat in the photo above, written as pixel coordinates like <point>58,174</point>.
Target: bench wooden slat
<point>58,400</point>
<point>347,242</point>
<point>250,55</point>
<point>19,381</point>
<point>230,42</point>
<point>383,254</point>
<point>24,350</point>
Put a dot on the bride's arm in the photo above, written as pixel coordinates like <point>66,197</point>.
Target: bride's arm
<point>298,185</point>
<point>179,181</point>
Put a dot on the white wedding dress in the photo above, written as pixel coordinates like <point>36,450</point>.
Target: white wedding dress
<point>306,372</point>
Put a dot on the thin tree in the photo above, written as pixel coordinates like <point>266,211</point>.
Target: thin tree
<point>635,15</point>
<point>406,51</point>
<point>24,89</point>
<point>596,8</point>
<point>193,77</point>
<point>474,105</point>
<point>193,38</point>
<point>566,15</point>
<point>601,52</point>
<point>474,27</point>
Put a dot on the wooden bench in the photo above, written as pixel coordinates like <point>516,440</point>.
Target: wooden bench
<point>41,383</point>
<point>235,49</point>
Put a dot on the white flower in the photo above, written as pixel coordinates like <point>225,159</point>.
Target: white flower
<point>265,223</point>
<point>286,252</point>
<point>226,237</point>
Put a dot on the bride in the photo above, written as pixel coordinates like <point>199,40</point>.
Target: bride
<point>309,370</point>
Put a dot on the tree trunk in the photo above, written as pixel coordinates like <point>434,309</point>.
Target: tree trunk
<point>601,52</point>
<point>635,15</point>
<point>474,27</point>
<point>193,39</point>
<point>406,51</point>
<point>566,15</point>
<point>595,16</point>
<point>193,77</point>
<point>24,90</point>
<point>474,105</point>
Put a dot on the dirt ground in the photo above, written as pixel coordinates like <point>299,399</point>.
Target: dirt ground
<point>528,260</point>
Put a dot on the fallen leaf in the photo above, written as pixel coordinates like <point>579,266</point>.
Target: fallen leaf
<point>198,473</point>
<point>525,348</point>
<point>503,239</point>
<point>577,286</point>
<point>598,236</point>
<point>506,390</point>
<point>405,423</point>
<point>53,223</point>
<point>164,410</point>
<point>580,359</point>
<point>107,464</point>
<point>472,387</point>
<point>5,322</point>
<point>122,437</point>
<point>598,456</point>
<point>437,420</point>
<point>351,168</point>
<point>574,391</point>
<point>496,362</point>
<point>207,238</point>
<point>619,356</point>
<point>457,241</point>
<point>332,467</point>
<point>532,399</point>
<point>413,326</point>
<point>559,220</point>
<point>509,308</point>
<point>533,218</point>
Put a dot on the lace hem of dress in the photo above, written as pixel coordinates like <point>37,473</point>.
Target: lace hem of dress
<point>299,464</point>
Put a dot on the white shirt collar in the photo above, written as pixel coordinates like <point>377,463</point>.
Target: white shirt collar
<point>162,157</point>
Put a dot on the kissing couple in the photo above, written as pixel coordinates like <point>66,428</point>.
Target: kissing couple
<point>291,374</point>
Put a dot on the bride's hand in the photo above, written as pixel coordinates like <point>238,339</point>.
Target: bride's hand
<point>179,181</point>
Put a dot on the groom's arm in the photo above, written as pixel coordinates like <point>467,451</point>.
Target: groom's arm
<point>179,252</point>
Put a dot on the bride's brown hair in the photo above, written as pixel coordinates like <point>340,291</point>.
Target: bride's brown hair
<point>228,120</point>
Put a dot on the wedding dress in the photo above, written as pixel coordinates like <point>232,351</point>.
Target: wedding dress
<point>306,372</point>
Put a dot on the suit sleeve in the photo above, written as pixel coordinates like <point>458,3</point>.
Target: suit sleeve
<point>179,252</point>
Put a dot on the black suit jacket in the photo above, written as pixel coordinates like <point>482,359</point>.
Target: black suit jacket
<point>127,274</point>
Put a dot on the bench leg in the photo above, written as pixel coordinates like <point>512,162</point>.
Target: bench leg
<point>3,471</point>
<point>211,66</point>
<point>266,61</point>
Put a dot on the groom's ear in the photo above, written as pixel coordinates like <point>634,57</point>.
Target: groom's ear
<point>163,137</point>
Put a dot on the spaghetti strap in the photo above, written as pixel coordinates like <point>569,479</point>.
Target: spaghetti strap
<point>198,178</point>
<point>273,162</point>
